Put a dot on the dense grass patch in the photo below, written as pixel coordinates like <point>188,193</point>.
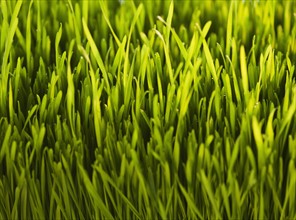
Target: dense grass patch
<point>147,109</point>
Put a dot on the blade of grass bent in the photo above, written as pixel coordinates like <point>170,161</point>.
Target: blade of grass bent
<point>70,90</point>
<point>92,192</point>
<point>96,98</point>
<point>77,31</point>
<point>8,44</point>
<point>5,143</point>
<point>105,14</point>
<point>208,55</point>
<point>169,22</point>
<point>28,40</point>
<point>167,56</point>
<point>179,42</point>
<point>126,61</point>
<point>106,177</point>
<point>229,29</point>
<point>96,54</point>
<point>190,202</point>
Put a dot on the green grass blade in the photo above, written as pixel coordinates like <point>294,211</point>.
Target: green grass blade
<point>5,68</point>
<point>210,193</point>
<point>96,54</point>
<point>92,192</point>
<point>125,199</point>
<point>244,72</point>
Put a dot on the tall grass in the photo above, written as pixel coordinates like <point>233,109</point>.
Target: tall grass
<point>147,109</point>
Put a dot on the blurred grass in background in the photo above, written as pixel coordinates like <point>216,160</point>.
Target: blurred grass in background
<point>147,109</point>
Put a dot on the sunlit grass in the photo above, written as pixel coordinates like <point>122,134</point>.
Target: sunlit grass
<point>147,109</point>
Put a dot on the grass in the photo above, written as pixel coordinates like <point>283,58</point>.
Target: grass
<point>147,109</point>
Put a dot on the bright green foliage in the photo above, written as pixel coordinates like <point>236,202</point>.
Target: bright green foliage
<point>147,110</point>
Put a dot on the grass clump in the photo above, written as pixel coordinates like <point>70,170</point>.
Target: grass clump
<point>147,109</point>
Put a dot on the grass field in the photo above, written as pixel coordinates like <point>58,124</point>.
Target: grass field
<point>147,109</point>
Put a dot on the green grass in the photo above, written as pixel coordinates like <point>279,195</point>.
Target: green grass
<point>147,109</point>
